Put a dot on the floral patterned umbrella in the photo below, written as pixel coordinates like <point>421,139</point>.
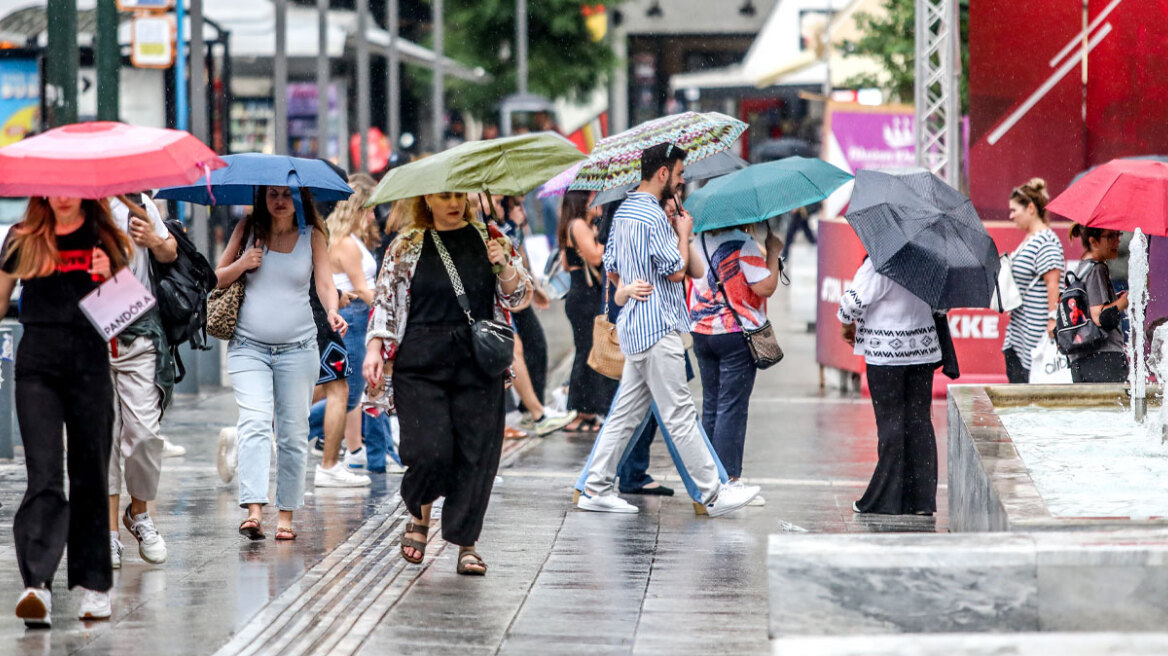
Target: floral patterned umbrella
<point>616,160</point>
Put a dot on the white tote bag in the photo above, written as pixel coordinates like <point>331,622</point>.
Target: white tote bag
<point>1047,365</point>
<point>1006,298</point>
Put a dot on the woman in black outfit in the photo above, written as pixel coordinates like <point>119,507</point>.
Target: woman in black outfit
<point>62,251</point>
<point>589,393</point>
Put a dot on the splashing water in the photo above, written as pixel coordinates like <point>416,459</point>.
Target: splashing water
<point>1137,307</point>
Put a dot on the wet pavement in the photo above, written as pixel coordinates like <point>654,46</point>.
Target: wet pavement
<point>561,581</point>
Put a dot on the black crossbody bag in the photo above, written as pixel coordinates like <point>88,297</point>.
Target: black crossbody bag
<point>493,342</point>
<point>764,346</point>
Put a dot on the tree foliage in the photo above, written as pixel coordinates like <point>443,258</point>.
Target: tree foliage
<point>890,40</point>
<point>563,60</point>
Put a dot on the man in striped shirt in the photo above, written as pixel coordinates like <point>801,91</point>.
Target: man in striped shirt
<point>652,255</point>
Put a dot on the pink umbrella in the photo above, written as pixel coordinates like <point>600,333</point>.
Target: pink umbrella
<point>558,185</point>
<point>102,159</point>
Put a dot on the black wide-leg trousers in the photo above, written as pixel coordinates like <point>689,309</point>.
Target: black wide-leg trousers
<point>905,480</point>
<point>451,417</point>
<point>63,379</point>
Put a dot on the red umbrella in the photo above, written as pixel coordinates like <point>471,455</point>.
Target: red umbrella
<point>102,159</point>
<point>1123,194</point>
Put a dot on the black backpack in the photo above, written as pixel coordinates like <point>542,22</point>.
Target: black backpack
<point>181,288</point>
<point>1075,331</point>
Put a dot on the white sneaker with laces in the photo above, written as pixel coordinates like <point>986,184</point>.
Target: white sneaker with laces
<point>731,498</point>
<point>172,450</point>
<point>339,476</point>
<point>116,549</point>
<point>356,459</point>
<point>391,467</point>
<point>35,607</point>
<point>151,546</point>
<point>226,459</point>
<point>553,421</point>
<point>94,605</point>
<point>609,503</point>
<point>757,501</point>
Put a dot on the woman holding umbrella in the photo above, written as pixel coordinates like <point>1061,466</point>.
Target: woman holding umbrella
<point>1106,363</point>
<point>450,411</point>
<point>273,359</point>
<point>62,251</point>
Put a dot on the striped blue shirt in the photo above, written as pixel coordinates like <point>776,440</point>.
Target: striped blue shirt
<point>643,246</point>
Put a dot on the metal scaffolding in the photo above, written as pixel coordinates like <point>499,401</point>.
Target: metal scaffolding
<point>938,97</point>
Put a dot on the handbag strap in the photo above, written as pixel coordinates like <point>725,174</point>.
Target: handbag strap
<point>721,287</point>
<point>452,272</point>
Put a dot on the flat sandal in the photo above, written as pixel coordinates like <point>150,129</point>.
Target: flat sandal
<point>464,567</point>
<point>416,545</point>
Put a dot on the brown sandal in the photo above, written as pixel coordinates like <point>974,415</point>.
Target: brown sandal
<point>285,533</point>
<point>464,567</point>
<point>251,529</point>
<point>416,545</point>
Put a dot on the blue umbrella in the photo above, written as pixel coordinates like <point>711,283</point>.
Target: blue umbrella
<point>761,191</point>
<point>236,183</point>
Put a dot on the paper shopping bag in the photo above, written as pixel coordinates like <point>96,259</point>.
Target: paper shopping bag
<point>117,303</point>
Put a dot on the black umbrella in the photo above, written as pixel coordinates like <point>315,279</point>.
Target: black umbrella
<point>925,235</point>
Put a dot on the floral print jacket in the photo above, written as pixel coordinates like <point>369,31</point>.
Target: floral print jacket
<point>391,298</point>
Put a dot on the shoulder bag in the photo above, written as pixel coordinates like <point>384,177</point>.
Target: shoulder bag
<point>223,304</point>
<point>493,342</point>
<point>606,357</point>
<point>764,347</point>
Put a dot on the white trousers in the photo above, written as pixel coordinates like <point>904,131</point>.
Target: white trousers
<point>137,446</point>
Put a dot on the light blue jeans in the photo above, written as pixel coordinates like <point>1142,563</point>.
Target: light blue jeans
<point>273,387</point>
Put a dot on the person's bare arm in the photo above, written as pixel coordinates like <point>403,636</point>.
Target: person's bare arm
<point>230,269</point>
<point>683,224</point>
<point>1051,280</point>
<point>767,286</point>
<point>325,290</point>
<point>586,245</point>
<point>346,257</point>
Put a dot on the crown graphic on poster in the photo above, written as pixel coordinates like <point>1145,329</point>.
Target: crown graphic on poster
<point>900,134</point>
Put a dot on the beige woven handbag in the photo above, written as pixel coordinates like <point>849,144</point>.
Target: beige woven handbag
<point>223,304</point>
<point>606,356</point>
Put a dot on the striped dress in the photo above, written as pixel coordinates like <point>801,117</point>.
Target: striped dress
<point>1040,253</point>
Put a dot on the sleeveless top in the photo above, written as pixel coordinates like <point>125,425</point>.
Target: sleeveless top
<point>275,306</point>
<point>368,269</point>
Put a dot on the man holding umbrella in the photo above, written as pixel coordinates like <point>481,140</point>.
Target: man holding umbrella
<point>652,256</point>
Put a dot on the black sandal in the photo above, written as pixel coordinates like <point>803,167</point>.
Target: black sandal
<point>251,529</point>
<point>588,426</point>
<point>464,567</point>
<point>416,545</point>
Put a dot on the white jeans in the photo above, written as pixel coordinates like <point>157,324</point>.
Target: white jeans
<point>137,445</point>
<point>273,385</point>
<point>657,374</point>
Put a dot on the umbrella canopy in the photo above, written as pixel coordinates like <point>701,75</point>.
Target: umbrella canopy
<point>511,166</point>
<point>762,191</point>
<point>1155,158</point>
<point>925,235</point>
<point>558,185</point>
<point>236,184</point>
<point>781,148</point>
<point>1123,194</point>
<point>711,167</point>
<point>102,159</point>
<point>616,160</point>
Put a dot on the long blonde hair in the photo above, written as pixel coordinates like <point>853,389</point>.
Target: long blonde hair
<point>347,216</point>
<point>34,240</point>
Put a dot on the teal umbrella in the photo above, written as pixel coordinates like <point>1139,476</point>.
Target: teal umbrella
<point>759,192</point>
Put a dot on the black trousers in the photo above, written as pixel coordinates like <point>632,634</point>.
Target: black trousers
<point>63,379</point>
<point>588,391</point>
<point>1015,372</point>
<point>451,417</point>
<point>1105,367</point>
<point>905,480</point>
<point>535,349</point>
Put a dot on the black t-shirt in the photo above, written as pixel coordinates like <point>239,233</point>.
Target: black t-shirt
<point>432,298</point>
<point>55,298</point>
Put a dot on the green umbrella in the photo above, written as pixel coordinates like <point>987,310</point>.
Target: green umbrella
<point>512,166</point>
<point>759,192</point>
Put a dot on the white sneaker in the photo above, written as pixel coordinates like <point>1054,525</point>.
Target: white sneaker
<point>94,605</point>
<point>35,607</point>
<point>731,498</point>
<point>553,421</point>
<point>227,455</point>
<point>391,467</point>
<point>356,459</point>
<point>151,546</point>
<point>116,549</point>
<point>172,450</point>
<point>339,476</point>
<point>757,501</point>
<point>609,503</point>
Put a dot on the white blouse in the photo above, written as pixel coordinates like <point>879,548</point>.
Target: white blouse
<point>893,327</point>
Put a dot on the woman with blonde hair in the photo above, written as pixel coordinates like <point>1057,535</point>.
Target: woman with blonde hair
<point>420,358</point>
<point>62,250</point>
<point>1037,265</point>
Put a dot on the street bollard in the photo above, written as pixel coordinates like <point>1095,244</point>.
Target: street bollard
<point>7,393</point>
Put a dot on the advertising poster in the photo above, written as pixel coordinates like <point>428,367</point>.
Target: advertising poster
<point>19,99</point>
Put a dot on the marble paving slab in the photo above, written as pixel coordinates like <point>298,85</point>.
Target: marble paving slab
<point>977,644</point>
